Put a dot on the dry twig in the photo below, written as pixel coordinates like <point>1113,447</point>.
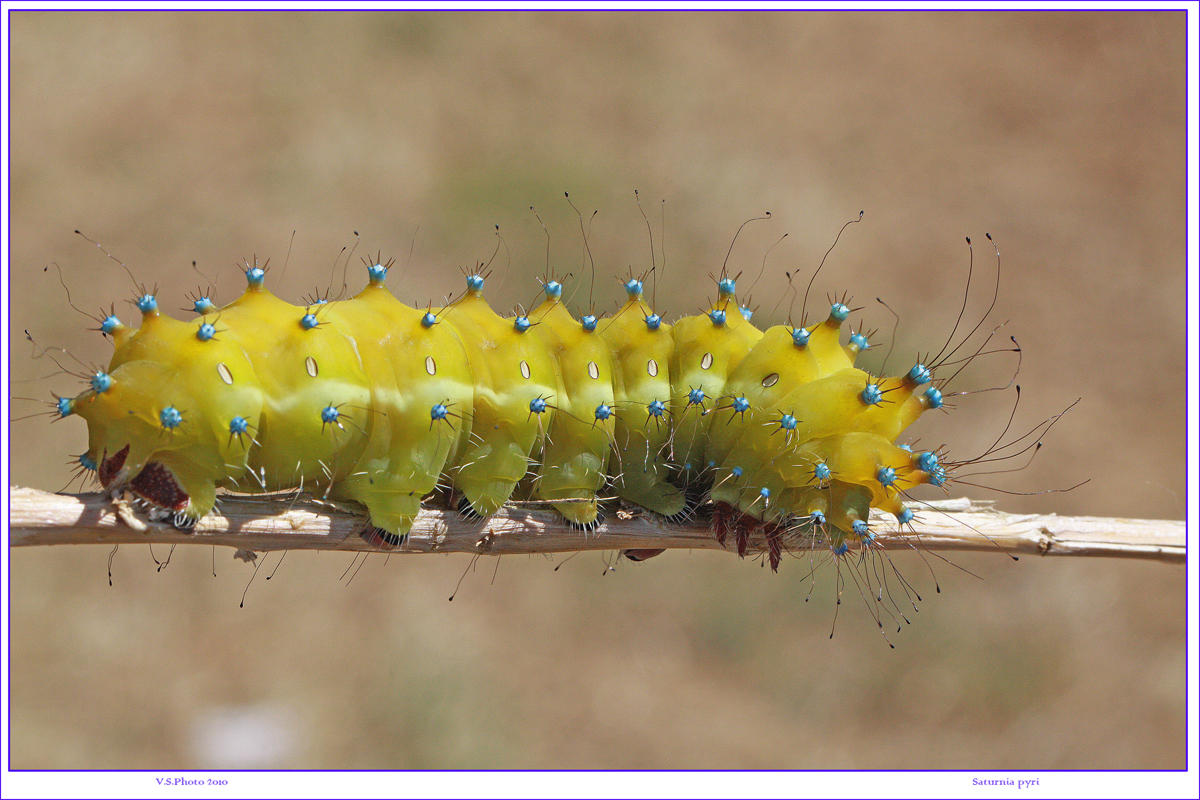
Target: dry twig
<point>291,522</point>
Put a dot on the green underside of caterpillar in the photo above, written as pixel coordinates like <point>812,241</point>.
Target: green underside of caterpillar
<point>372,401</point>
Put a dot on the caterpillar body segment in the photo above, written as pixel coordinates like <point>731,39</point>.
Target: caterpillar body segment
<point>708,347</point>
<point>576,451</point>
<point>641,347</point>
<point>516,381</point>
<point>373,401</point>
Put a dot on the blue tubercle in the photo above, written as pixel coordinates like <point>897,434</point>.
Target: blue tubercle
<point>838,312</point>
<point>653,322</point>
<point>537,405</point>
<point>147,304</point>
<point>788,422</point>
<point>727,286</point>
<point>588,322</point>
<point>203,305</point>
<point>822,472</point>
<point>905,516</point>
<point>872,395</point>
<point>840,549</point>
<point>329,414</point>
<point>937,475</point>
<point>603,411</point>
<point>927,461</point>
<point>309,321</point>
<point>933,397</point>
<point>101,382</point>
<point>64,407</point>
<point>633,288</point>
<point>737,472</point>
<point>439,411</point>
<point>695,397</point>
<point>553,290</point>
<point>741,405</point>
<point>255,276</point>
<point>170,417</point>
<point>109,324</point>
<point>800,337</point>
<point>238,426</point>
<point>747,313</point>
<point>919,374</point>
<point>717,316</point>
<point>377,273</point>
<point>886,476</point>
<point>859,342</point>
<point>816,519</point>
<point>521,324</point>
<point>428,320</point>
<point>86,461</point>
<point>475,283</point>
<point>656,408</point>
<point>206,331</point>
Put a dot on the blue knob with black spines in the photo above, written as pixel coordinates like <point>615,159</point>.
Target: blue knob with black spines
<point>170,417</point>
<point>886,476</point>
<point>871,395</point>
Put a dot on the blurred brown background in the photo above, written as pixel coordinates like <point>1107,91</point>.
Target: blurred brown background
<point>173,137</point>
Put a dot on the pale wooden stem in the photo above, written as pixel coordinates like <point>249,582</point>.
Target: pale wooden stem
<point>292,523</point>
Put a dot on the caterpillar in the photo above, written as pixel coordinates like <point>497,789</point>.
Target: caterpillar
<point>775,433</point>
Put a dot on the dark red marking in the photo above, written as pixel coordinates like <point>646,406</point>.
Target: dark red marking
<point>109,467</point>
<point>724,517</point>
<point>156,484</point>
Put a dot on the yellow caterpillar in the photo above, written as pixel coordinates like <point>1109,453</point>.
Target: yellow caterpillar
<point>370,400</point>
